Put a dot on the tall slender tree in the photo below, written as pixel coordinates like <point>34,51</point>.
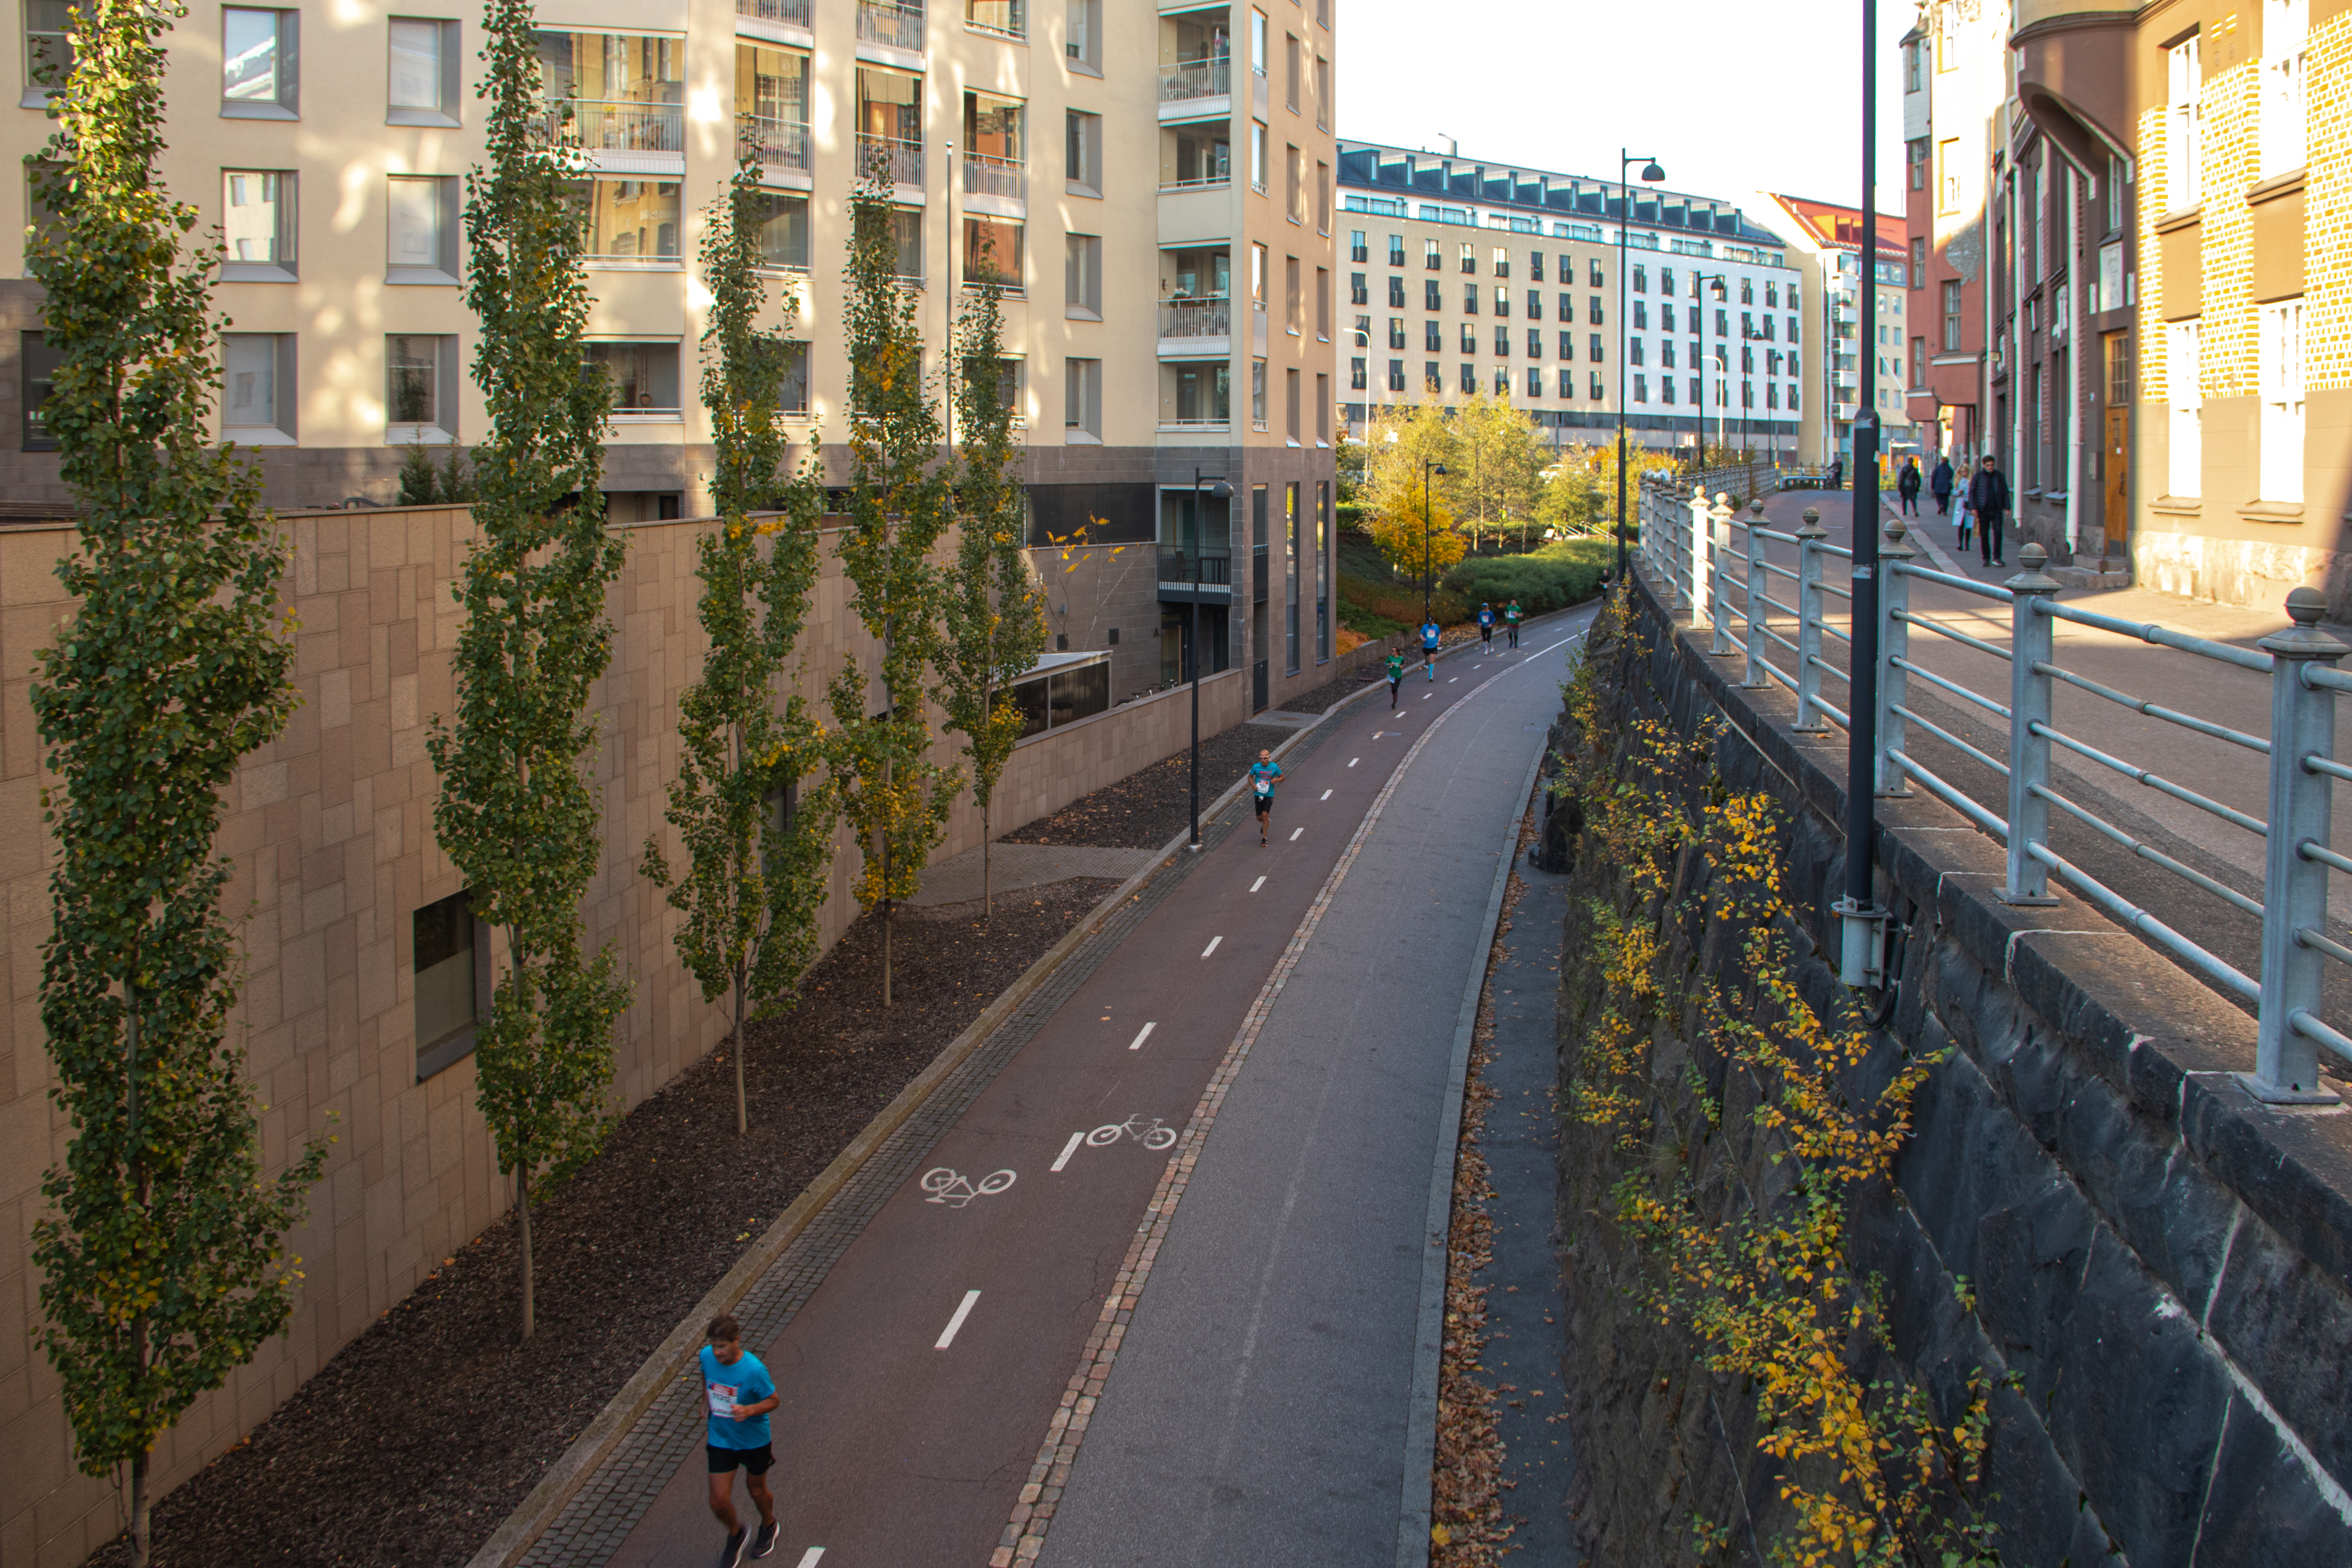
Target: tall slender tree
<point>161,1252</point>
<point>757,845</point>
<point>887,785</point>
<point>517,814</point>
<point>995,615</point>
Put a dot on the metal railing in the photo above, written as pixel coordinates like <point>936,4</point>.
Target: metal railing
<point>1210,318</point>
<point>780,144</point>
<point>904,160</point>
<point>892,27</point>
<point>1177,566</point>
<point>1196,79</point>
<point>791,13</point>
<point>603,125</point>
<point>1732,592</point>
<point>987,175</point>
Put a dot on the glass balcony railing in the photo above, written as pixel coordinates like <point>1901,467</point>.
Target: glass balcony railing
<point>892,26</point>
<point>603,125</point>
<point>779,144</point>
<point>791,13</point>
<point>985,175</point>
<point>904,160</point>
<point>1210,318</point>
<point>1196,79</point>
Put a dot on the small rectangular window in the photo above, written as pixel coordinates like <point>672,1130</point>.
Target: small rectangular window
<point>1082,277</point>
<point>37,363</point>
<point>1358,293</point>
<point>46,44</point>
<point>451,987</point>
<point>992,248</point>
<point>420,388</point>
<point>1005,18</point>
<point>782,220</point>
<point>792,394</point>
<point>1323,304</point>
<point>1469,298</point>
<point>258,227</point>
<point>1430,298</point>
<point>258,388</point>
<point>1429,255</point>
<point>1469,257</point>
<point>1357,251</point>
<point>421,229</point>
<point>261,74</point>
<point>632,223</point>
<point>643,376</point>
<point>425,87</point>
<point>906,228</point>
<point>1082,153</point>
<point>1082,38</point>
<point>1396,250</point>
<point>1082,398</point>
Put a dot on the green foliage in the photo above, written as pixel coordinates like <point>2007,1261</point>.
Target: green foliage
<point>420,482</point>
<point>887,785</point>
<point>457,486</point>
<point>160,1253</point>
<point>516,813</point>
<point>754,879</point>
<point>995,615</point>
<point>1494,477</point>
<point>1562,573</point>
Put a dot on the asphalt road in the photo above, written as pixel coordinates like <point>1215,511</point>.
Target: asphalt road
<point>1263,1387</point>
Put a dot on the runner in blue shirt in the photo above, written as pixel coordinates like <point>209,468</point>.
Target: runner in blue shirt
<point>1429,648</point>
<point>1264,773</point>
<point>1487,625</point>
<point>738,1392</point>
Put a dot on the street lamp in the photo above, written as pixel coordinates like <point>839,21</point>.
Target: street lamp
<point>1427,468</point>
<point>1218,490</point>
<point>1716,281</point>
<point>1651,175</point>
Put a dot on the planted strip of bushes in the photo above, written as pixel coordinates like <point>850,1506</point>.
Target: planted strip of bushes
<point>1561,573</point>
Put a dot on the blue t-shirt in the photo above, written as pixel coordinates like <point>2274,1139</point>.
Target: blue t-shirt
<point>1261,775</point>
<point>745,1383</point>
<point>1485,616</point>
<point>1429,635</point>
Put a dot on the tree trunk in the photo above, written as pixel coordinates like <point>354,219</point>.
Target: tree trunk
<point>742,1117</point>
<point>987,905</point>
<point>522,1207</point>
<point>142,1541</point>
<point>886,953</point>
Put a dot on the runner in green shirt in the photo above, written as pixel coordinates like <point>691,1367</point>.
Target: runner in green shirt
<point>1511,612</point>
<point>1396,674</point>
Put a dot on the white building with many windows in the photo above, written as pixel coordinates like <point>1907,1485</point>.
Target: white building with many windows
<point>1466,277</point>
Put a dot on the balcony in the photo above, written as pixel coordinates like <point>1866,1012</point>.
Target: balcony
<point>1210,317</point>
<point>621,137</point>
<point>1177,566</point>
<point>800,14</point>
<point>892,27</point>
<point>903,160</point>
<point>1004,178</point>
<point>779,144</point>
<point>1000,19</point>
<point>1196,89</point>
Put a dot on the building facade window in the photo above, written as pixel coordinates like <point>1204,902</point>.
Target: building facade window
<point>1952,315</point>
<point>258,78</point>
<point>1396,250</point>
<point>258,388</point>
<point>1082,277</point>
<point>1082,36</point>
<point>1082,153</point>
<point>642,377</point>
<point>258,227</point>
<point>992,250</point>
<point>2184,148</point>
<point>630,223</point>
<point>2279,371</point>
<point>449,986</point>
<point>425,86</point>
<point>2184,392</point>
<point>37,364</point>
<point>420,388</point>
<point>2286,23</point>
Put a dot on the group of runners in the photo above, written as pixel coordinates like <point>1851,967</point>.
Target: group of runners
<point>1508,617</point>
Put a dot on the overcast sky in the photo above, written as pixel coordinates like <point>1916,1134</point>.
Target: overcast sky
<point>1732,96</point>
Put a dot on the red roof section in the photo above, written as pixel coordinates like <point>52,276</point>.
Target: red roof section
<point>1837,227</point>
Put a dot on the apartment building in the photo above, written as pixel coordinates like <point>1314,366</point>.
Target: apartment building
<point>1070,147</point>
<point>1465,276</point>
<point>1826,243</point>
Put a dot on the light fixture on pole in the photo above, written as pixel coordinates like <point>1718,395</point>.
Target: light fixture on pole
<point>1651,175</point>
<point>1219,490</point>
<point>1427,468</point>
<point>1702,285</point>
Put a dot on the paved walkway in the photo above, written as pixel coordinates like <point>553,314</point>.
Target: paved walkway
<point>957,879</point>
<point>1235,1086</point>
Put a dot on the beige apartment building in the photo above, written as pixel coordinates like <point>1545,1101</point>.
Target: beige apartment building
<point>1158,189</point>
<point>1466,277</point>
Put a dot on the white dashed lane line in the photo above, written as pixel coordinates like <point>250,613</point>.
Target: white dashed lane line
<point>1142,1035</point>
<point>1071,1147</point>
<point>947,1335</point>
<point>1327,794</point>
<point>1256,885</point>
<point>1295,833</point>
<point>809,1558</point>
<point>1353,761</point>
<point>1212,947</point>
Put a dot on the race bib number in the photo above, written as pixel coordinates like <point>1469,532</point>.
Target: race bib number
<point>722,1400</point>
<point>1264,787</point>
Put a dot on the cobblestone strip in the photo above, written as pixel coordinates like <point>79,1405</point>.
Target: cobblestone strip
<point>1032,1513</point>
<point>611,1502</point>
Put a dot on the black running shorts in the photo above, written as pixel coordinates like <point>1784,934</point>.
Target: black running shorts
<point>755,1461</point>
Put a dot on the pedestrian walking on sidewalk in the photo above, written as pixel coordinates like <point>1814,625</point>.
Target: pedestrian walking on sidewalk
<point>1837,475</point>
<point>739,1392</point>
<point>1396,674</point>
<point>1988,498</point>
<point>1487,625</point>
<point>1939,485</point>
<point>1428,649</point>
<point>1264,773</point>
<point>1907,486</point>
<point>1511,613</point>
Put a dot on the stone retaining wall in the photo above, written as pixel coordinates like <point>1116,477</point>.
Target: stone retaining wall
<point>2164,1263</point>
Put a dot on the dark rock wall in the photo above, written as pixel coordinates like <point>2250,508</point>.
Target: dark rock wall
<point>2164,1263</point>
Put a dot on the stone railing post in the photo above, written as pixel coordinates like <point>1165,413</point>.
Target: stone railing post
<point>1758,611</point>
<point>1691,516</point>
<point>2029,719</point>
<point>1893,643</point>
<point>1719,548</point>
<point>2295,886</point>
<point>1809,622</point>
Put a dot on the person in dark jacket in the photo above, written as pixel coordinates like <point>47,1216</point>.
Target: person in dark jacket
<point>1939,485</point>
<point>1837,474</point>
<point>1989,499</point>
<point>1907,487</point>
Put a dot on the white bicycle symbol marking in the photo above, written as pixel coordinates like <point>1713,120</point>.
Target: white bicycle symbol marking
<point>946,1187</point>
<point>1151,1135</point>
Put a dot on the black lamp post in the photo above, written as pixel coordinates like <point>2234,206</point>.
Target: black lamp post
<point>1427,468</point>
<point>1700,291</point>
<point>1218,490</point>
<point>1651,175</point>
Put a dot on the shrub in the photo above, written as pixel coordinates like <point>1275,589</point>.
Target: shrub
<point>1385,609</point>
<point>1561,573</point>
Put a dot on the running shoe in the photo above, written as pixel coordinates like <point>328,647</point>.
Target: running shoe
<point>765,1544</point>
<point>731,1555</point>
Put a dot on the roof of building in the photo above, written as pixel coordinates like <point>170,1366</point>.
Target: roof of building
<point>1832,226</point>
<point>1406,171</point>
